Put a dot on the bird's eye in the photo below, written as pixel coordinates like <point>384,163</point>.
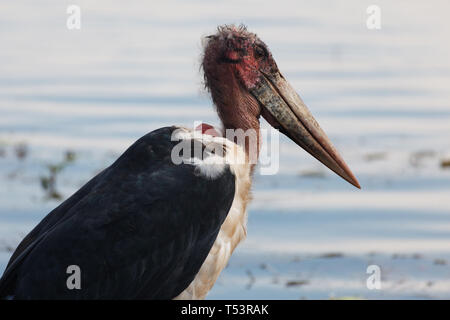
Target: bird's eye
<point>260,52</point>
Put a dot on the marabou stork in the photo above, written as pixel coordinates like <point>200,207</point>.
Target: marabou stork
<point>149,228</point>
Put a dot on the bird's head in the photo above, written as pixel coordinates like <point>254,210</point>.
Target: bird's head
<point>245,83</point>
<point>234,49</point>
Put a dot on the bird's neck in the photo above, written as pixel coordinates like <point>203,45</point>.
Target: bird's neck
<point>239,112</point>
<point>245,133</point>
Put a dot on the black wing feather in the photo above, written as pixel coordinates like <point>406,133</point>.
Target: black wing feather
<point>140,229</point>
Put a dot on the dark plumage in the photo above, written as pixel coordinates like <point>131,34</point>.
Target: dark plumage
<point>123,230</point>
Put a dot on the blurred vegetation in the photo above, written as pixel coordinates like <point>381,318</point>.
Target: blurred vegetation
<point>21,150</point>
<point>48,182</point>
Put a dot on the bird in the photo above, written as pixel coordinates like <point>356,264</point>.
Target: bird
<point>162,224</point>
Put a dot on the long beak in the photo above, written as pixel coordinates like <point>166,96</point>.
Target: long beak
<point>285,110</point>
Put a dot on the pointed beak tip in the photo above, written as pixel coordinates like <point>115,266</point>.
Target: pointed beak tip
<point>348,175</point>
<point>357,185</point>
<point>353,181</point>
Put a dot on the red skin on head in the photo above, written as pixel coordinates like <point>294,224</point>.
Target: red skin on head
<point>233,62</point>
<point>205,128</point>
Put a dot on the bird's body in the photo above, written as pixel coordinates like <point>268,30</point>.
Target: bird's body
<point>232,231</point>
<point>160,223</point>
<point>135,226</point>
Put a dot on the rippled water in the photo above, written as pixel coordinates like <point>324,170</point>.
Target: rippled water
<point>383,96</point>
